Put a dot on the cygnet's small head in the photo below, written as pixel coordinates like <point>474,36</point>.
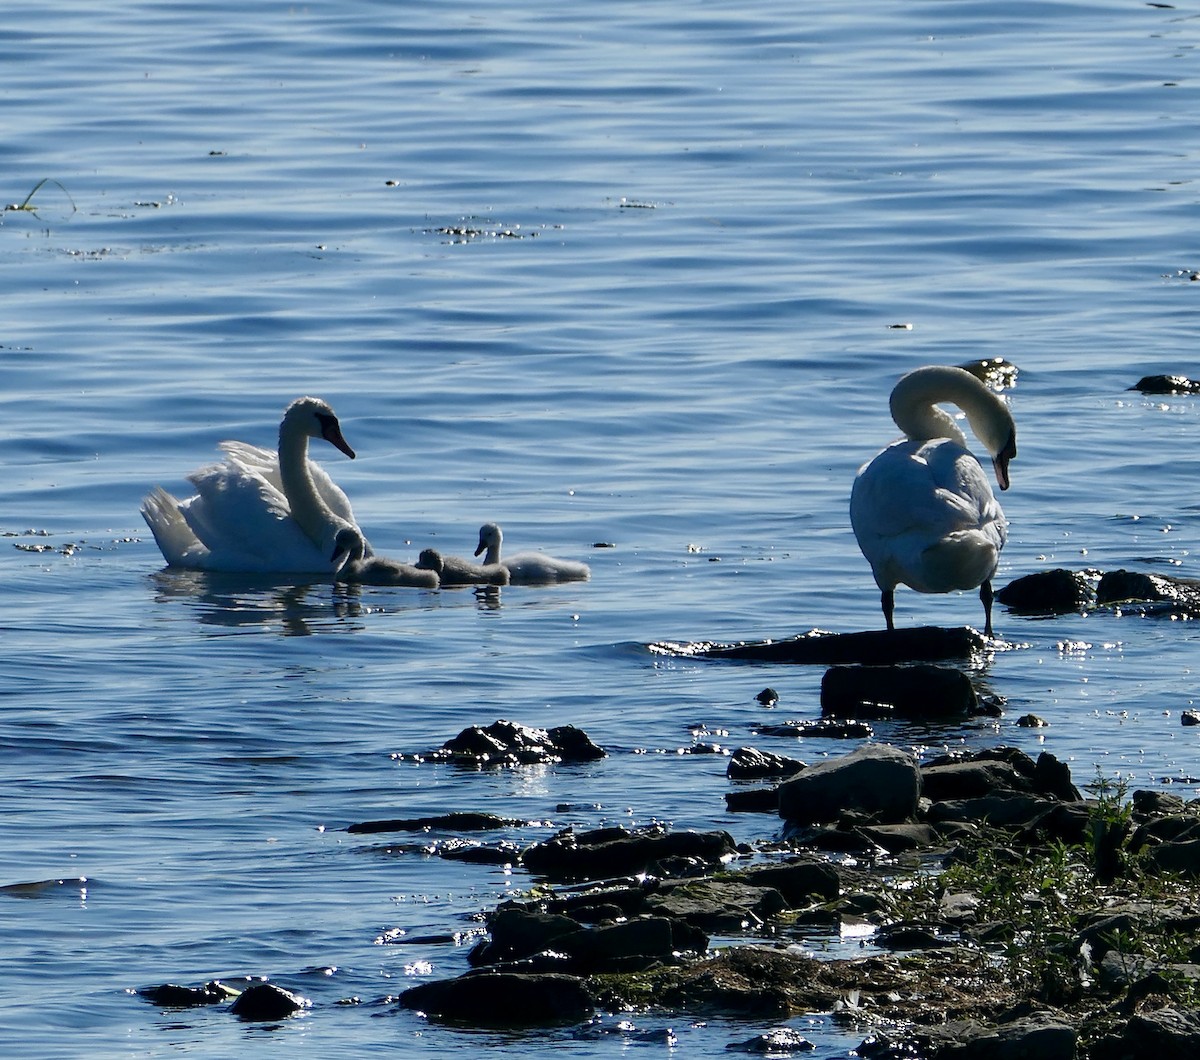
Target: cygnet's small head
<point>348,546</point>
<point>489,537</point>
<point>430,559</point>
<point>314,418</point>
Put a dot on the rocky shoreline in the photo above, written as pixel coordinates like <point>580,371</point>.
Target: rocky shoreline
<point>1010,916</point>
<point>1005,916</point>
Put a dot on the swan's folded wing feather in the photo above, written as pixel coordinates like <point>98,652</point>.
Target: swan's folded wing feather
<point>256,460</point>
<point>245,523</point>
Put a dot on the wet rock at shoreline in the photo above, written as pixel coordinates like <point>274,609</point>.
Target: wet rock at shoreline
<point>266,1001</point>
<point>606,852</point>
<point>1166,384</point>
<point>505,743</point>
<point>449,822</point>
<point>875,779</point>
<point>919,690</point>
<point>503,999</point>
<point>1050,592</point>
<point>641,941</point>
<point>749,763</point>
<point>879,647</point>
<point>781,1042</point>
<point>171,995</point>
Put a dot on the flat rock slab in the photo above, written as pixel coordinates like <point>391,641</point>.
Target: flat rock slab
<point>923,644</point>
<point>874,779</point>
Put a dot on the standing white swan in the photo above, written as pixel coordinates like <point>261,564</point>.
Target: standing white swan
<point>349,551</point>
<point>922,510</point>
<point>259,511</point>
<point>529,567</point>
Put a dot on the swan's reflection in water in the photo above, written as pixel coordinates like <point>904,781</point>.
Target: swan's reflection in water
<point>244,603</point>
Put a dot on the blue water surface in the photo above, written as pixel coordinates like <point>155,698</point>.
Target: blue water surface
<point>630,275</point>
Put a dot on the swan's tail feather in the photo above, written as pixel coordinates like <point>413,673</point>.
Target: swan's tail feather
<point>179,546</point>
<point>961,560</point>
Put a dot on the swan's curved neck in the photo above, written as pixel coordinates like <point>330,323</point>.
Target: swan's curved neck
<point>492,555</point>
<point>307,508</point>
<point>914,404</point>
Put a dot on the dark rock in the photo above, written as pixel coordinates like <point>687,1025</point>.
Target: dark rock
<point>749,763</point>
<point>507,743</point>
<point>266,1001</point>
<point>479,854</point>
<point>910,937</point>
<point>518,932</point>
<point>1120,586</point>
<point>999,811</point>
<point>779,1042</point>
<point>1182,857</point>
<point>994,372</point>
<point>170,995</point>
<point>1049,592</point>
<point>503,999</point>
<point>1041,1036</point>
<point>874,779</point>
<point>912,691</point>
<point>768,697</point>
<point>574,745</point>
<point>753,800</point>
<point>610,852</point>
<point>1032,721</point>
<point>971,780</point>
<point>825,728</point>
<point>1166,384</point>
<point>1189,717</point>
<point>1052,777</point>
<point>1155,803</point>
<point>1168,1034</point>
<point>920,644</point>
<point>729,905</point>
<point>630,945</point>
<point>448,822</point>
<point>899,838</point>
<point>800,882</point>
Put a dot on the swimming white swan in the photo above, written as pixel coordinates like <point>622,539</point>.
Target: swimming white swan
<point>349,551</point>
<point>453,570</point>
<point>529,567</point>
<point>922,510</point>
<point>259,511</point>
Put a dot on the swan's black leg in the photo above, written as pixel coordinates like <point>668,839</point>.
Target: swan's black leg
<point>888,599</point>
<point>985,594</point>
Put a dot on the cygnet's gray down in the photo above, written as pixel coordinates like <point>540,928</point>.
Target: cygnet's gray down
<point>349,547</point>
<point>529,567</point>
<point>454,570</point>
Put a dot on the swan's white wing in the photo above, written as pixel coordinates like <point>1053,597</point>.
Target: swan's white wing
<point>265,463</point>
<point>925,516</point>
<point>244,523</point>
